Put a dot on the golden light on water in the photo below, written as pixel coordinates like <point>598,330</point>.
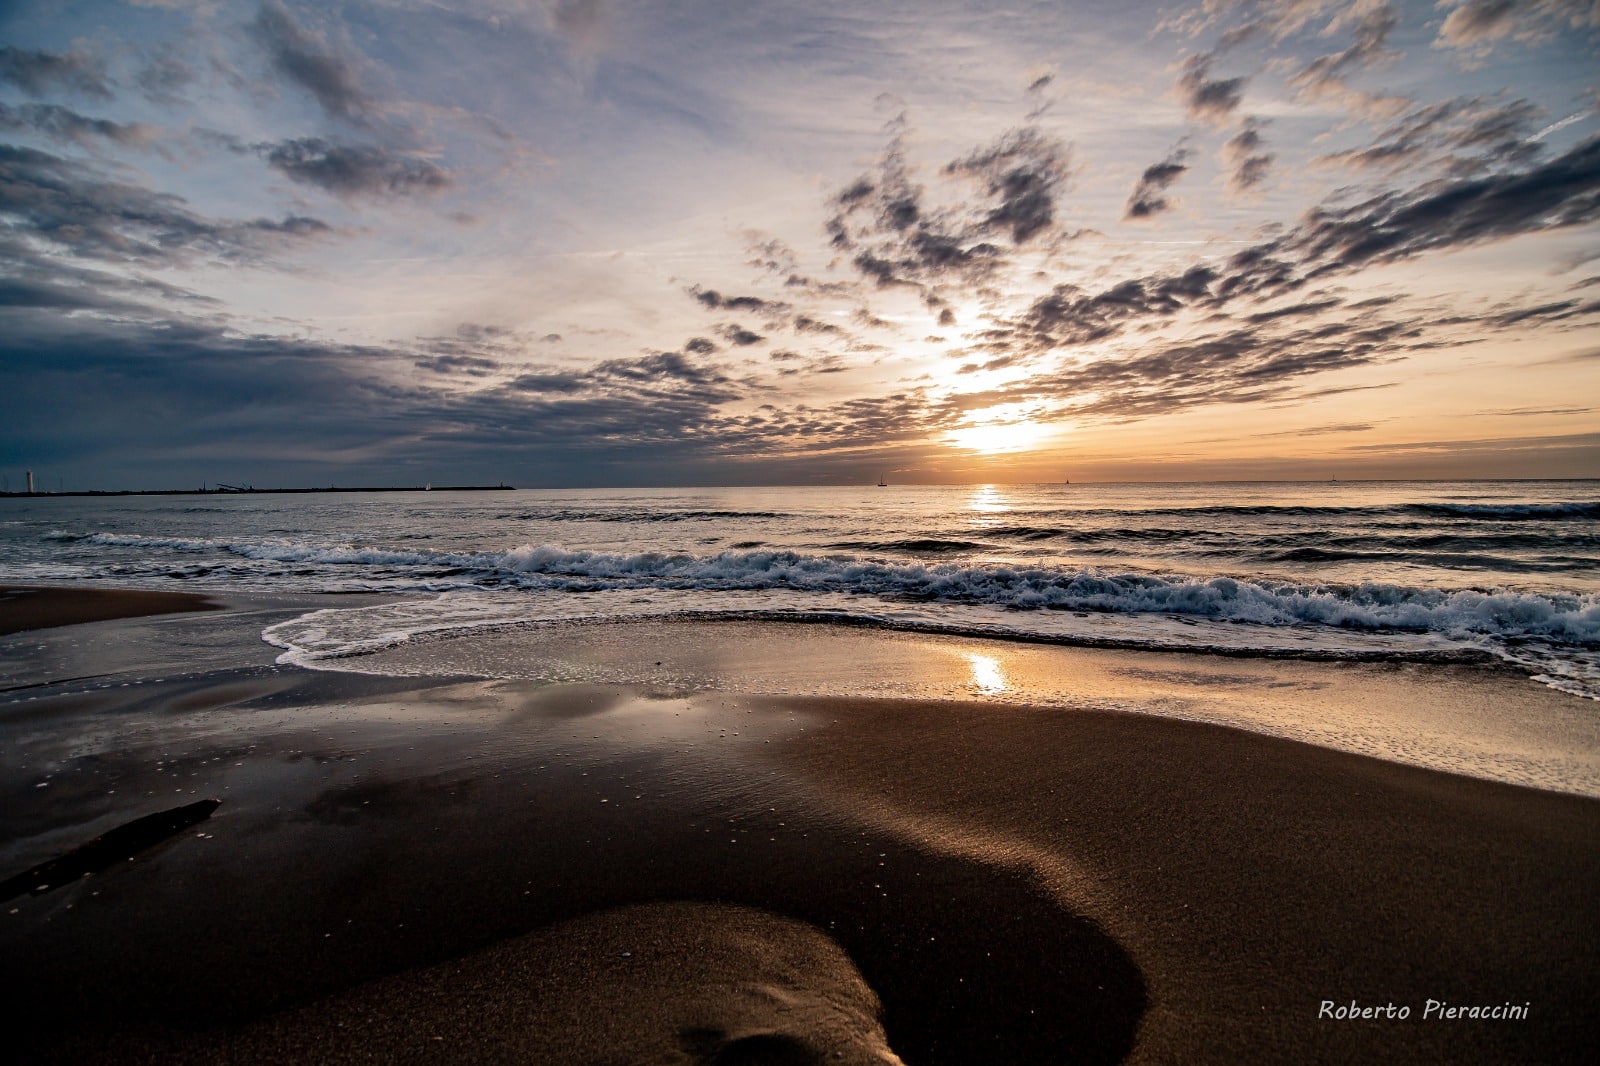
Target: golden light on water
<point>986,499</point>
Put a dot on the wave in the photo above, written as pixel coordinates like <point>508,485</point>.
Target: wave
<point>913,545</point>
<point>1513,512</point>
<point>634,515</point>
<point>1560,511</point>
<point>1573,618</point>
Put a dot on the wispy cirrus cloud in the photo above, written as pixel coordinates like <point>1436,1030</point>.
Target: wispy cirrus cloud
<point>1476,24</point>
<point>38,73</point>
<point>68,205</point>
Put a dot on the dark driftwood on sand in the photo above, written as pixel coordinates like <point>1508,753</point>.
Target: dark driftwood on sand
<point>120,843</point>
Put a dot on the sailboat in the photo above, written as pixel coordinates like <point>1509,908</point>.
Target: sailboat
<point>882,484</point>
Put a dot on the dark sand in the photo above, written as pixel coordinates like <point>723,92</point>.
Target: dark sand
<point>25,607</point>
<point>409,870</point>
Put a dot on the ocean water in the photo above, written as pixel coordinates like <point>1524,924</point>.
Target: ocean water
<point>1446,570</point>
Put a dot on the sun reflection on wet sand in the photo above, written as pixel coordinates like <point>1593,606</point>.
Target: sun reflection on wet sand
<point>986,675</point>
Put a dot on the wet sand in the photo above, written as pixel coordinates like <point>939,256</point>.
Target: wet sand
<point>445,869</point>
<point>27,607</point>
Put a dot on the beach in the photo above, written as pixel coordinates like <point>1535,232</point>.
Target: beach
<point>438,867</point>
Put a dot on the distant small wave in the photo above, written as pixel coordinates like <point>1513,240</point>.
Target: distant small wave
<point>1510,512</point>
<point>913,545</point>
<point>631,515</point>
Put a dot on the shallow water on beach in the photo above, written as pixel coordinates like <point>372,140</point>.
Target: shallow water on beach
<point>1438,570</point>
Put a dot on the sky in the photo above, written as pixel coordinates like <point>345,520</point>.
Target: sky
<point>563,243</point>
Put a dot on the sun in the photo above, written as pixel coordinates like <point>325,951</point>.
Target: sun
<point>1008,427</point>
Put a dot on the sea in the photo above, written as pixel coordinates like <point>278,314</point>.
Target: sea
<point>1504,571</point>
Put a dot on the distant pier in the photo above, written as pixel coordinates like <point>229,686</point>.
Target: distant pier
<point>235,490</point>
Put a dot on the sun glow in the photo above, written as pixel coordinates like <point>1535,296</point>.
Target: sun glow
<point>1008,427</point>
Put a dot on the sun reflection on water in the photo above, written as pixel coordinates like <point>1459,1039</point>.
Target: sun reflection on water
<point>986,499</point>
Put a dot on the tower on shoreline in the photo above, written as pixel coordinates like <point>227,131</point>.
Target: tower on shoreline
<point>30,483</point>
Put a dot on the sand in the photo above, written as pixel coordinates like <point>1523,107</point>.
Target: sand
<point>443,869</point>
<point>26,607</point>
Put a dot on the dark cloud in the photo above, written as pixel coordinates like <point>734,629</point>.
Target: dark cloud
<point>1525,411</point>
<point>1238,366</point>
<point>355,170</point>
<point>1560,193</point>
<point>713,299</point>
<point>63,124</point>
<point>36,279</point>
<point>37,73</point>
<point>699,346</point>
<point>309,61</point>
<point>1248,162</point>
<point>51,295</point>
<point>734,333</point>
<point>1330,240</point>
<point>1068,315</point>
<point>1021,174</point>
<point>807,324</point>
<point>469,365</point>
<point>1463,136</point>
<point>897,235</point>
<point>1206,98</point>
<point>1149,195</point>
<point>1555,311</point>
<point>1310,308</point>
<point>71,208</point>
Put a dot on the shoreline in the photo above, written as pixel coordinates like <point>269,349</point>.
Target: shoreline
<point>469,859</point>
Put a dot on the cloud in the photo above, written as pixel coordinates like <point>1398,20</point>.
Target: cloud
<point>1237,366</point>
<point>164,76</point>
<point>1208,99</point>
<point>1248,162</point>
<point>736,334</point>
<point>63,124</point>
<point>1560,193</point>
<point>1477,24</point>
<point>1325,75</point>
<point>1068,315</point>
<point>36,73</point>
<point>897,234</point>
<point>1464,135</point>
<point>355,170</point>
<point>581,22</point>
<point>469,365</point>
<point>1329,241</point>
<point>1021,174</point>
<point>715,300</point>
<point>1149,195</point>
<point>309,61</point>
<point>73,210</point>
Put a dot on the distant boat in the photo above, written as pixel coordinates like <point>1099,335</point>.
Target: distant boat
<point>882,484</point>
